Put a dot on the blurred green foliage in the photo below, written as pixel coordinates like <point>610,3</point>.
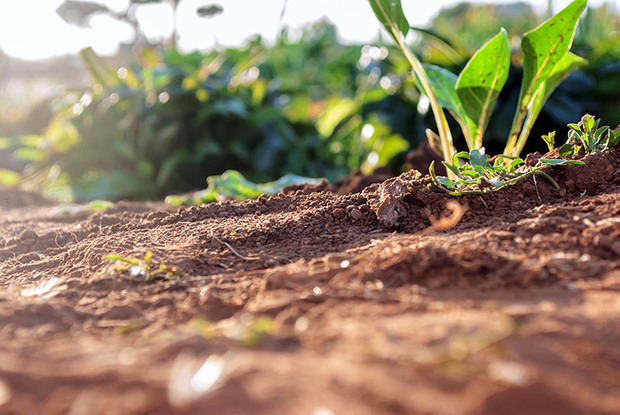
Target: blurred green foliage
<point>309,106</point>
<point>232,185</point>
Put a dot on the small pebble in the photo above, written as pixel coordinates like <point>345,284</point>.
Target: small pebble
<point>354,212</point>
<point>338,213</point>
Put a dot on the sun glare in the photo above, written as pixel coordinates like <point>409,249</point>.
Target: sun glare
<point>31,29</point>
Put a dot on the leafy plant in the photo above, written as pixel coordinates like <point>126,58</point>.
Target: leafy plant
<point>587,134</point>
<point>232,185</point>
<point>143,268</point>
<point>478,176</point>
<point>471,96</point>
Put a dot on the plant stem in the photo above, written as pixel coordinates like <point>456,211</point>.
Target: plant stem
<point>445,135</point>
<point>517,124</point>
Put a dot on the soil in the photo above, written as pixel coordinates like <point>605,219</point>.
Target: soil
<point>384,301</point>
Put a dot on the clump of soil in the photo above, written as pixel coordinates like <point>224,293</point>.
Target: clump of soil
<point>313,302</point>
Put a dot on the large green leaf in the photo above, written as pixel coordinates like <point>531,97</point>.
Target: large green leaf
<point>443,83</point>
<point>543,48</point>
<point>390,14</point>
<point>569,63</point>
<point>546,45</point>
<point>481,81</point>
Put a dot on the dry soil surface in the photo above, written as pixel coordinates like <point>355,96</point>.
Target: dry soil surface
<point>311,302</point>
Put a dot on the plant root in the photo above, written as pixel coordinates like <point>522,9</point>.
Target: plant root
<point>451,216</point>
<point>233,250</point>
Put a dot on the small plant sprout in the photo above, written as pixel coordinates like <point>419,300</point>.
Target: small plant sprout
<point>550,140</point>
<point>477,175</point>
<point>247,330</point>
<point>587,134</point>
<point>471,96</point>
<point>143,268</point>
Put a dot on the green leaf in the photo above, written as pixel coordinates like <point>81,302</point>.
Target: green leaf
<point>546,45</point>
<point>443,83</point>
<point>5,142</point>
<point>114,257</point>
<point>100,205</point>
<point>481,81</point>
<point>567,64</point>
<point>550,140</point>
<point>390,14</point>
<point>543,48</point>
<point>336,111</point>
<point>9,178</point>
<point>559,162</point>
<point>232,184</point>
<point>98,69</point>
<point>479,161</point>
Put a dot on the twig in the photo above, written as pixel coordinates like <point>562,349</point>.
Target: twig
<point>227,245</point>
<point>483,202</point>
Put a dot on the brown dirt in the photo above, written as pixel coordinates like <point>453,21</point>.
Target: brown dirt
<point>310,302</point>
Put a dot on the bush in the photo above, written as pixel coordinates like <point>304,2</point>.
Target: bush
<point>312,107</point>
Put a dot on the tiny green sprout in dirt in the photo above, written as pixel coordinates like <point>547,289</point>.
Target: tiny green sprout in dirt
<point>100,205</point>
<point>247,330</point>
<point>131,326</point>
<point>471,96</point>
<point>477,175</point>
<point>143,268</point>
<point>588,135</point>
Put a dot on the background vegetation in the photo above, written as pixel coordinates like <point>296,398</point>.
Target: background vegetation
<point>160,121</point>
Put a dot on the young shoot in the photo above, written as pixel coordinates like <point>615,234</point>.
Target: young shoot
<point>143,268</point>
<point>588,135</point>
<point>476,175</point>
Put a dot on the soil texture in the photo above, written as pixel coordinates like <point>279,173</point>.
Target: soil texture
<point>396,299</point>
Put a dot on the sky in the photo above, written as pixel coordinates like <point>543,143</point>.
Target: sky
<point>31,29</point>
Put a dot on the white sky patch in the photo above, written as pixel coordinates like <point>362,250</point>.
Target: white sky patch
<point>31,29</point>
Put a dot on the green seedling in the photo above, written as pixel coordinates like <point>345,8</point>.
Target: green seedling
<point>100,205</point>
<point>549,139</point>
<point>131,326</point>
<point>143,268</point>
<point>471,96</point>
<point>587,134</point>
<point>247,331</point>
<point>477,175</point>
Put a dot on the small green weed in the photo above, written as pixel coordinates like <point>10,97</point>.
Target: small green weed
<point>247,330</point>
<point>477,175</point>
<point>143,268</point>
<point>131,326</point>
<point>588,135</point>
